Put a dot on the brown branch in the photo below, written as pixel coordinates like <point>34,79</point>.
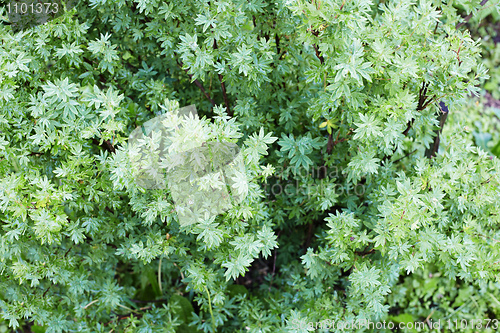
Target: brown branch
<point>277,41</point>
<point>399,159</point>
<point>198,83</point>
<point>468,17</point>
<point>106,145</point>
<point>223,86</point>
<point>408,127</point>
<point>68,251</point>
<point>274,264</point>
<point>422,104</point>
<point>125,316</point>
<point>329,145</point>
<point>457,52</point>
<point>149,301</point>
<point>435,28</point>
<point>320,57</point>
<point>343,139</point>
<point>45,292</point>
<point>226,100</point>
<point>428,102</point>
<point>309,235</point>
<point>365,252</point>
<point>443,114</point>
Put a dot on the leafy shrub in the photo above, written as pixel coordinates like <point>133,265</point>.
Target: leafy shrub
<point>358,208</point>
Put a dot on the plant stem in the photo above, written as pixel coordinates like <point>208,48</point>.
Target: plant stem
<point>210,307</point>
<point>159,276</point>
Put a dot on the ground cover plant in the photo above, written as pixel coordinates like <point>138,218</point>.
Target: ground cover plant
<point>369,135</point>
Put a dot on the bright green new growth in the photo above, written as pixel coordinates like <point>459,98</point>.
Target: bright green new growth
<point>352,209</point>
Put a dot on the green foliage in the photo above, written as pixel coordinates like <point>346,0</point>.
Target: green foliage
<point>335,107</point>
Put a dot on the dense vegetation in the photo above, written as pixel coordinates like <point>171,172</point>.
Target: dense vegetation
<point>372,172</point>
